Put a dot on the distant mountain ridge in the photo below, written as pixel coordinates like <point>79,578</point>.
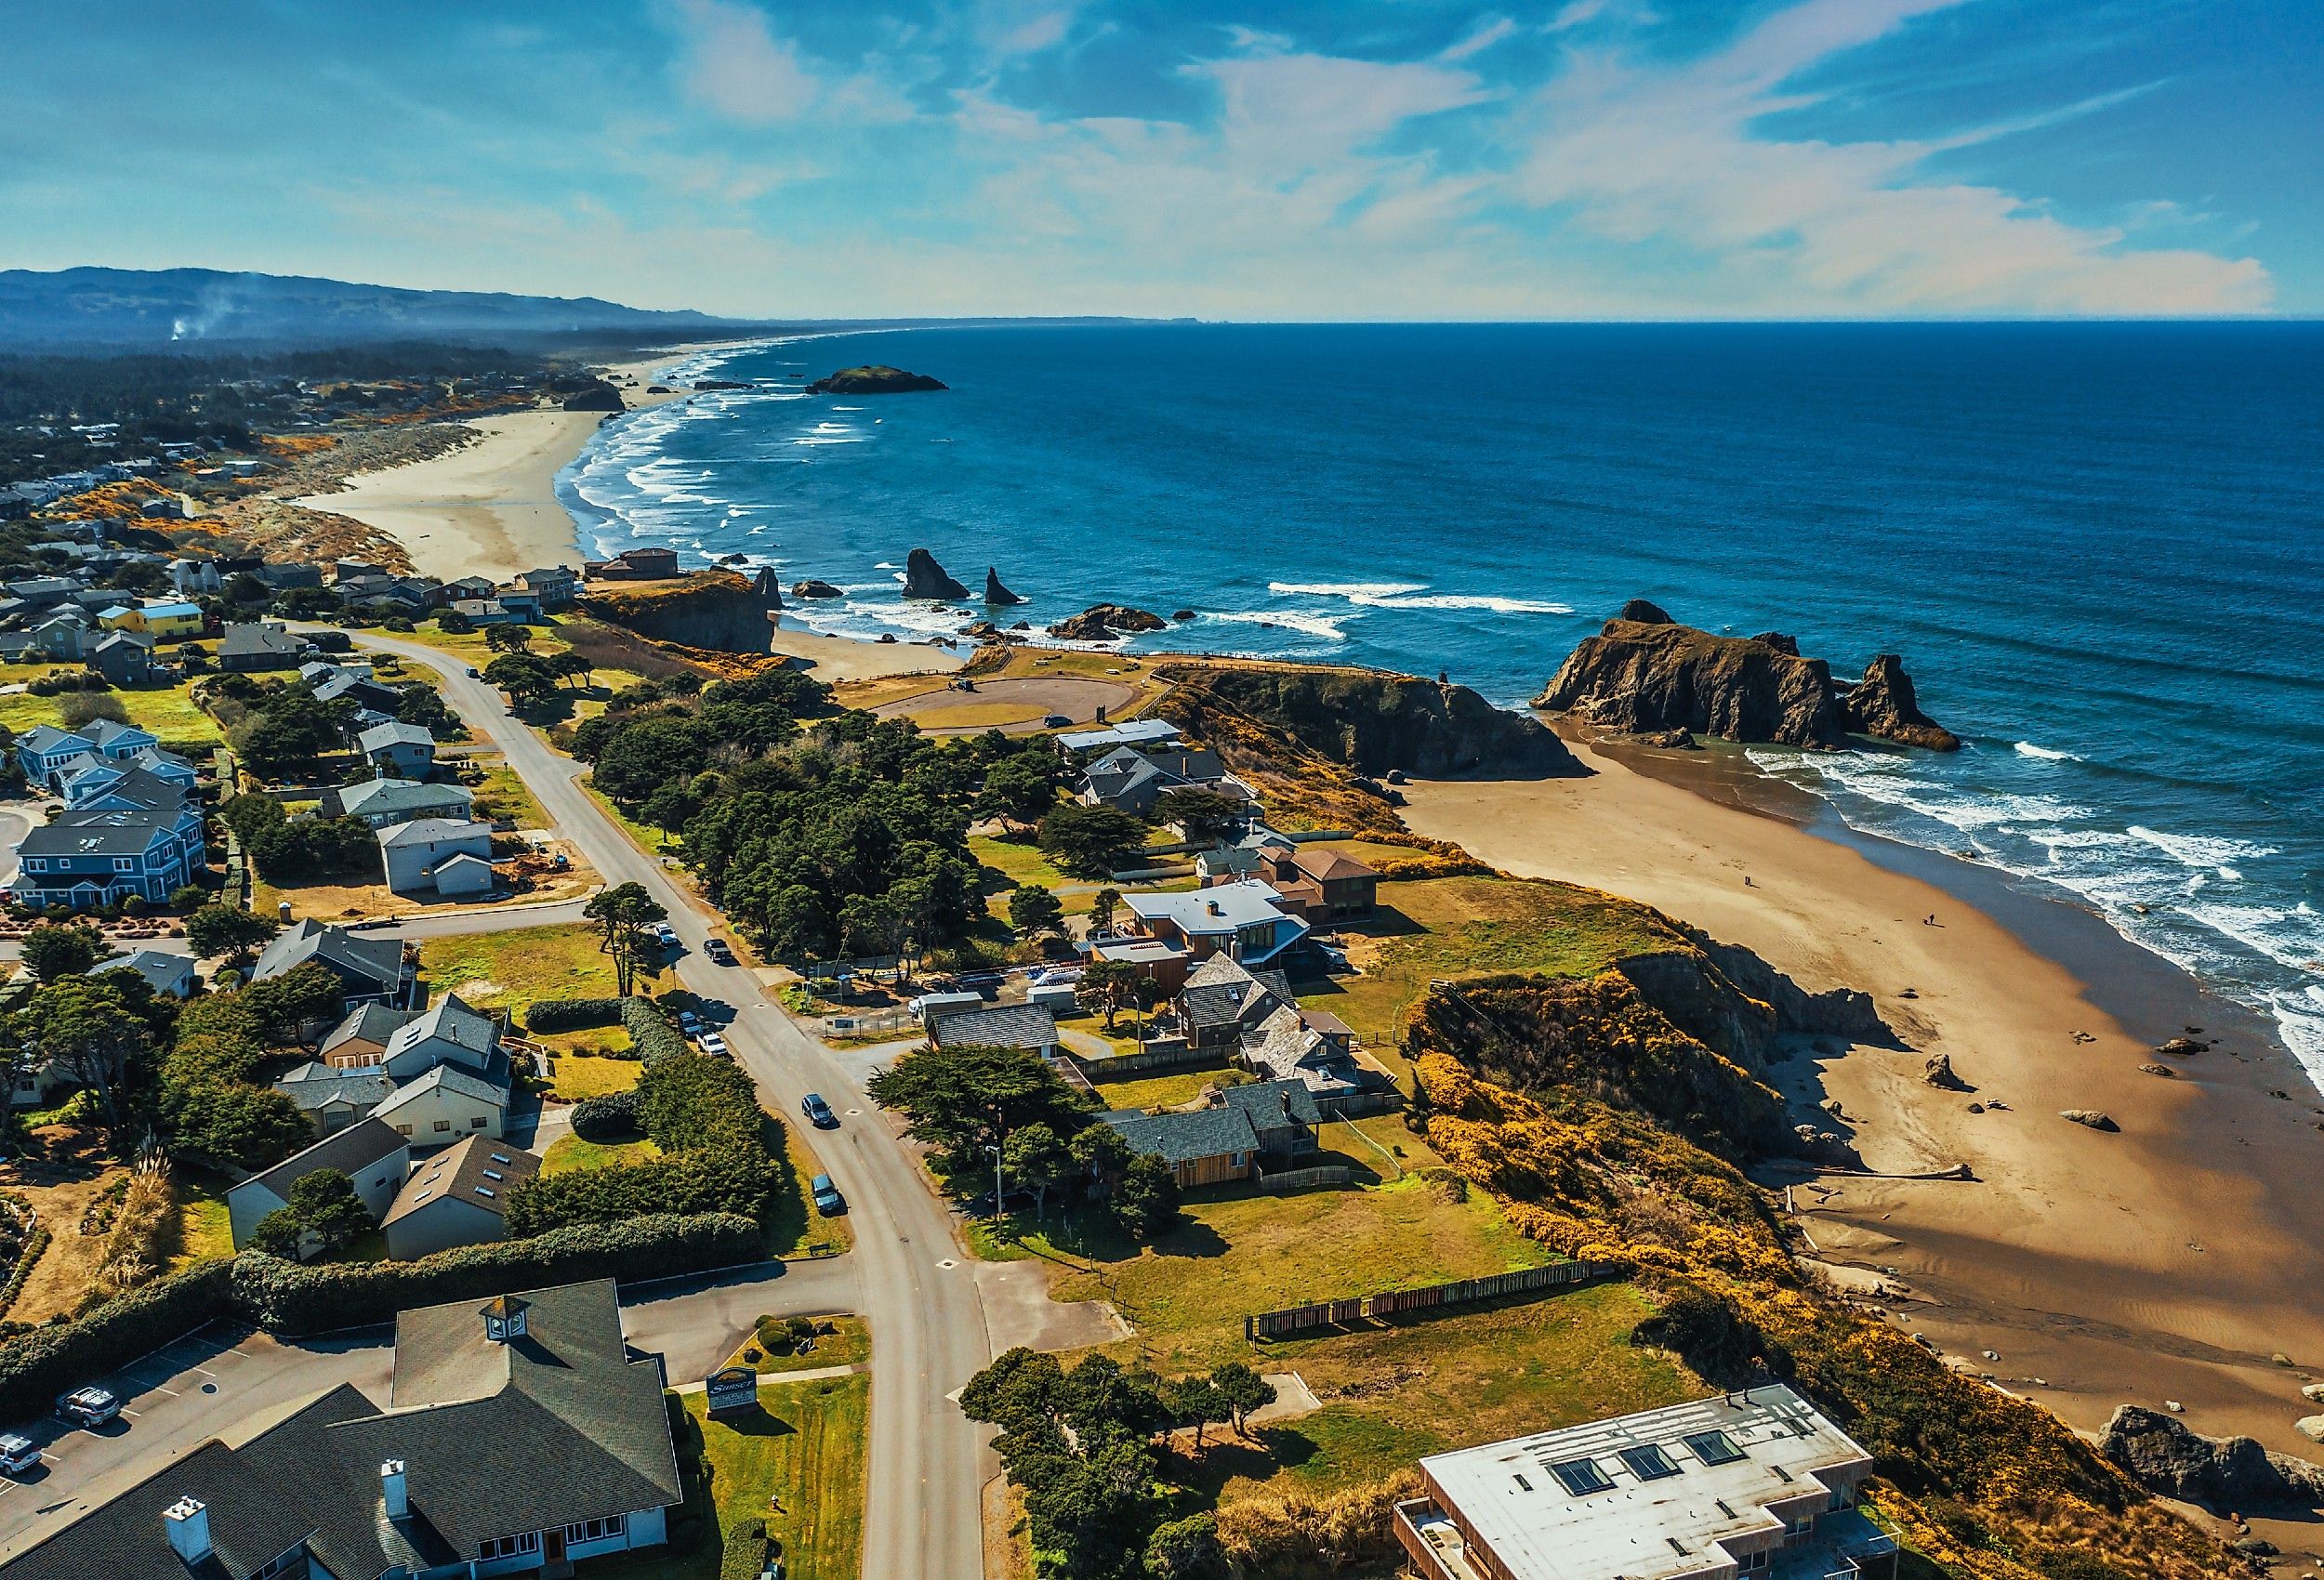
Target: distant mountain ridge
<point>135,307</point>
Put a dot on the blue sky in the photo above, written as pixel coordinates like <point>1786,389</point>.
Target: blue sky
<point>1355,159</point>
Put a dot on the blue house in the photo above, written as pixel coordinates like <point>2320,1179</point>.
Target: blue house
<point>47,754</point>
<point>89,858</point>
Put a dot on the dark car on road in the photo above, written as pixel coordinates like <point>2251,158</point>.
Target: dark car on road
<point>818,1111</point>
<point>714,947</point>
<point>828,1201</point>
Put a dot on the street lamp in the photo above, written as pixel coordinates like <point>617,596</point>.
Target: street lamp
<point>996,1199</point>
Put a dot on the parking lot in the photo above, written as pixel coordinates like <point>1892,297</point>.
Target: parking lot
<point>225,1380</point>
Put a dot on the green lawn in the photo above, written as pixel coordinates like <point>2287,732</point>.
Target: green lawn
<point>1019,861</point>
<point>202,1231</point>
<point>511,970</point>
<point>1468,927</point>
<point>1167,1091</point>
<point>1188,1293</point>
<point>796,1228</point>
<point>168,711</point>
<point>570,1154</point>
<point>503,795</point>
<point>580,1076</point>
<point>798,1461</point>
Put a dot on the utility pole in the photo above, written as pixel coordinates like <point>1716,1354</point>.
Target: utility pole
<point>997,1208</point>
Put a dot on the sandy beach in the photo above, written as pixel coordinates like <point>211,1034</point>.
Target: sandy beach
<point>848,658</point>
<point>2171,1261</point>
<point>490,509</point>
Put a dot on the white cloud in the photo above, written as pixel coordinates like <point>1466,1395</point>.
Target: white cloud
<point>1487,33</point>
<point>734,64</point>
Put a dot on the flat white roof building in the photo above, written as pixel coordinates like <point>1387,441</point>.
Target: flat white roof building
<point>1752,1483</point>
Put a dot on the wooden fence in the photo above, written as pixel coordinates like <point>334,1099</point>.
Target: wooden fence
<point>1307,1178</point>
<point>1404,1302</point>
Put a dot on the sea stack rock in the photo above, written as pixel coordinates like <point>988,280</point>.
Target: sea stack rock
<point>2169,1457</point>
<point>1644,674</point>
<point>769,590</point>
<point>1105,622</point>
<point>1883,705</point>
<point>879,379</point>
<point>924,578</point>
<point>995,594</point>
<point>810,587</point>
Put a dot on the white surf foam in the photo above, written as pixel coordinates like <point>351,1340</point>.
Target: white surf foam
<point>1325,626</point>
<point>2044,754</point>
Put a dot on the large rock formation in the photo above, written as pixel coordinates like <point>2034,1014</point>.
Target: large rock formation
<point>708,609</point>
<point>813,588</point>
<point>1647,674</point>
<point>1104,621</point>
<point>1882,703</point>
<point>877,379</point>
<point>596,396</point>
<point>1372,722</point>
<point>995,594</point>
<point>768,588</point>
<point>2165,1455</point>
<point>924,578</point>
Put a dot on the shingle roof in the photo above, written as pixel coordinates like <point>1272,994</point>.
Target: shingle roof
<point>164,972</point>
<point>348,1151</point>
<point>90,833</point>
<point>1272,1104</point>
<point>996,1025</point>
<point>429,831</point>
<point>370,1023</point>
<point>477,1171</point>
<point>241,640</point>
<point>1186,1138</point>
<point>376,798</point>
<point>447,1077</point>
<point>379,737</point>
<point>451,1021</point>
<point>381,959</point>
<point>497,1438</point>
<point>42,739</point>
<point>314,1085</point>
<point>1329,866</point>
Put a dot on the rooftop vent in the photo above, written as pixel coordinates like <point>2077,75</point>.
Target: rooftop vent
<point>393,1490</point>
<point>504,1319</point>
<point>188,1522</point>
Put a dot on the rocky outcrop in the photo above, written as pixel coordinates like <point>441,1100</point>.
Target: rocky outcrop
<point>810,587</point>
<point>1105,621</point>
<point>597,396</point>
<point>1737,1003</point>
<point>1649,676</point>
<point>769,590</point>
<point>877,379</point>
<point>1372,722</point>
<point>1644,613</point>
<point>924,578</point>
<point>719,610</point>
<point>995,594</point>
<point>2165,1455</point>
<point>1883,705</point>
<point>2089,1119</point>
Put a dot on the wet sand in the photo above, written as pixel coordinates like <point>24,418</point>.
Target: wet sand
<point>2170,1261</point>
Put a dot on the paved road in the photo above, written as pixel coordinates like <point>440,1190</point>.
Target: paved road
<point>927,1462</point>
<point>230,1382</point>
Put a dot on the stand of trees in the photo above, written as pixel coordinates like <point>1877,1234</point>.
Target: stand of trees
<point>1088,1447</point>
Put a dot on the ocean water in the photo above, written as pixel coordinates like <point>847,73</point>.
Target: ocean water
<point>2099,547</point>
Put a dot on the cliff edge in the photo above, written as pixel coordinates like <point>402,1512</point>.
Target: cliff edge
<point>717,610</point>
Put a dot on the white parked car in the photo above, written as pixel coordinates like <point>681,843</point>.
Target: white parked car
<point>18,1454</point>
<point>714,1045</point>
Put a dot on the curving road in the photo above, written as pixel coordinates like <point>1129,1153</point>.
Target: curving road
<point>927,1461</point>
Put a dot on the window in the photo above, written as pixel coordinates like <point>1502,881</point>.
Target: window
<point>476,1122</point>
<point>444,1124</point>
<point>597,1530</point>
<point>124,863</point>
<point>509,1547</point>
<point>38,863</point>
<point>403,1129</point>
<point>291,1565</point>
<point>1754,1563</point>
<point>1649,1464</point>
<point>1582,1476</point>
<point>1844,1498</point>
<point>1713,1447</point>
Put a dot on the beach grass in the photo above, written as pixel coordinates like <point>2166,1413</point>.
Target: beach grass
<point>570,1154</point>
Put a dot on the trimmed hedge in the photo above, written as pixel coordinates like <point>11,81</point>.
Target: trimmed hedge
<point>572,1014</point>
<point>38,1366</point>
<point>35,1244</point>
<point>613,1117</point>
<point>650,1031</point>
<point>286,1298</point>
<point>745,1554</point>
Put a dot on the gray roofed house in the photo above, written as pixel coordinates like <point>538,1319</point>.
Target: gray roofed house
<point>361,689</point>
<point>383,803</point>
<point>1205,1146</point>
<point>364,1035</point>
<point>1283,1114</point>
<point>446,1103</point>
<point>256,645</point>
<point>1222,999</point>
<point>405,750</point>
<point>1028,1026</point>
<point>449,1033</point>
<point>520,1435</point>
<point>460,1197</point>
<point>332,1098</point>
<point>94,856</point>
<point>369,967</point>
<point>170,974</point>
<point>369,1154</point>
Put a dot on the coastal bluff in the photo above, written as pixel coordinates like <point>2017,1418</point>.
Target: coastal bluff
<point>719,610</point>
<point>1646,673</point>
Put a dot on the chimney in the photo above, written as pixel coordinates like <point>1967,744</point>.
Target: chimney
<point>188,1524</point>
<point>393,1490</point>
<point>504,1319</point>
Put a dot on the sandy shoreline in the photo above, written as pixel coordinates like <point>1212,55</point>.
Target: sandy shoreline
<point>491,508</point>
<point>2170,1261</point>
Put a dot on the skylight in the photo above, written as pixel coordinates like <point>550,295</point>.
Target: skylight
<point>483,1192</point>
<point>1582,1476</point>
<point>1713,1447</point>
<point>495,1174</point>
<point>1649,1462</point>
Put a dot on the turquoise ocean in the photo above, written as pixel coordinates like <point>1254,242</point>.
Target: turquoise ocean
<point>2100,548</point>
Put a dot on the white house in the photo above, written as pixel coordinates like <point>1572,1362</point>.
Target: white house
<point>1242,919</point>
<point>444,1105</point>
<point>373,1156</point>
<point>334,1099</point>
<point>451,1033</point>
<point>521,1435</point>
<point>458,1197</point>
<point>419,856</point>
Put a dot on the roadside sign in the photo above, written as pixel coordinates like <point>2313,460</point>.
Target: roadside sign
<point>731,1387</point>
